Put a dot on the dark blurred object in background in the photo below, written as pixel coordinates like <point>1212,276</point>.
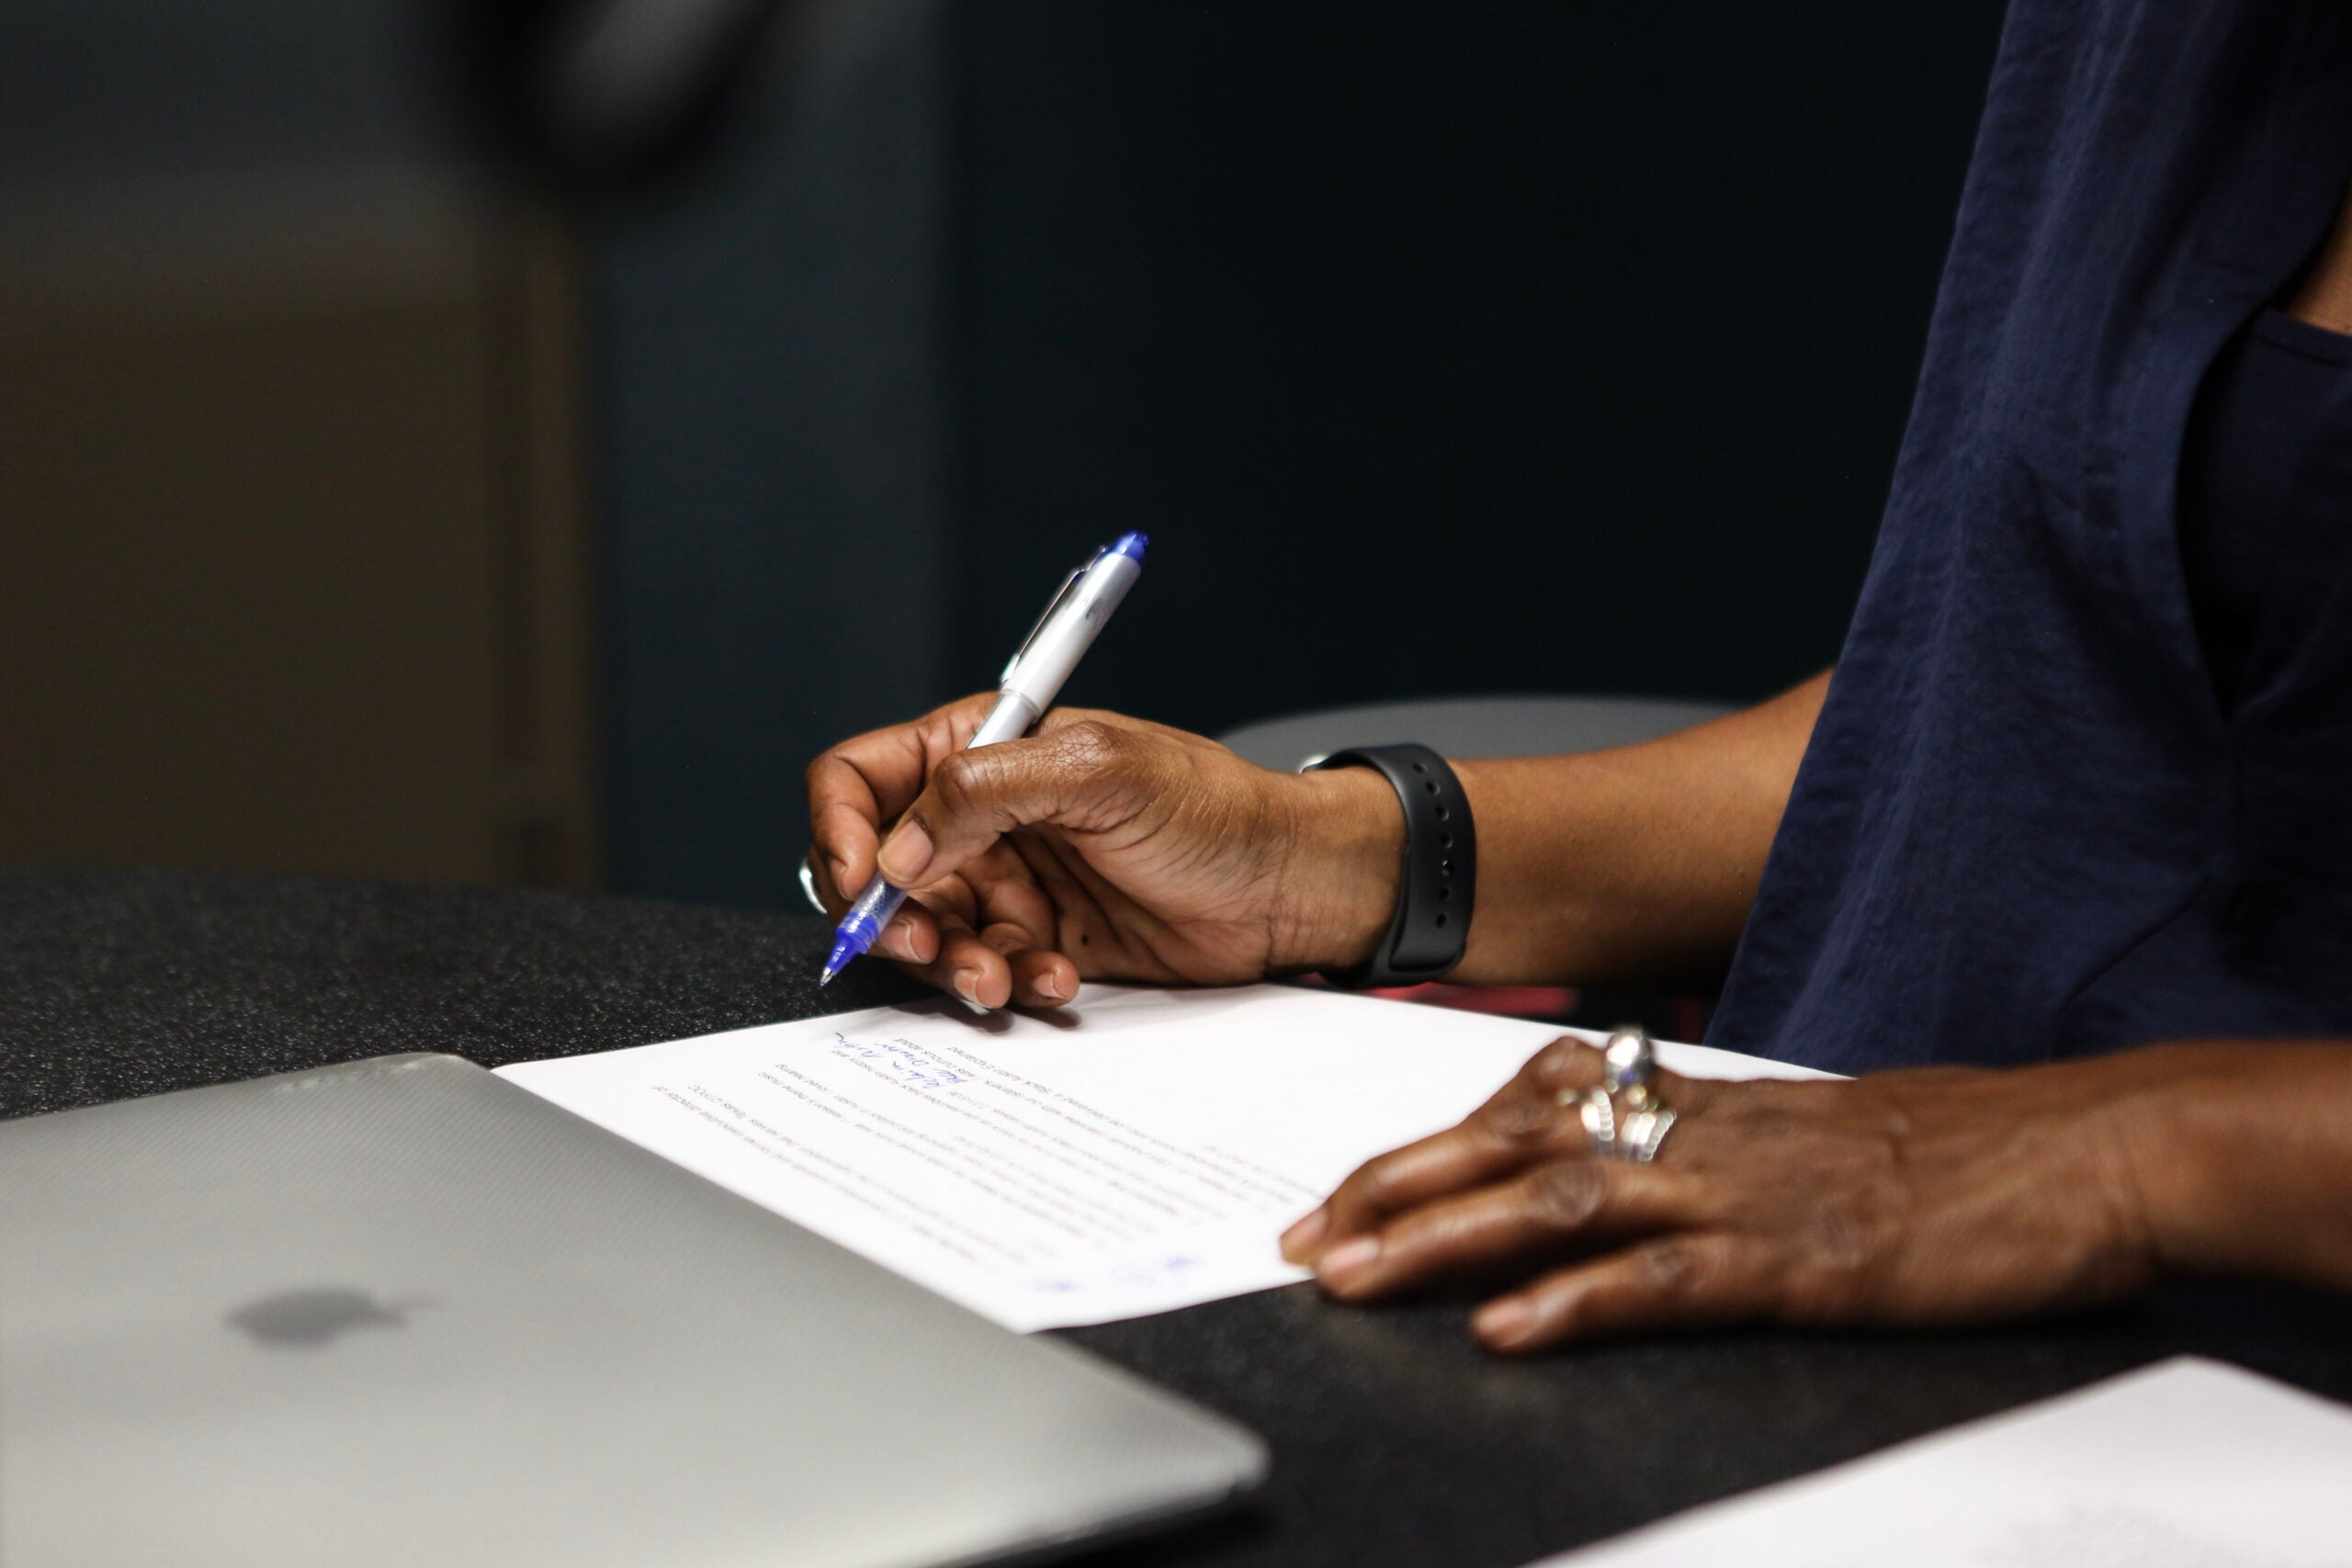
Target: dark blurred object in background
<point>599,93</point>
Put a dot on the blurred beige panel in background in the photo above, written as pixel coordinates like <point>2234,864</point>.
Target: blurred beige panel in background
<point>294,570</point>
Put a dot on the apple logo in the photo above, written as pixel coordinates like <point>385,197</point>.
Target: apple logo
<point>307,1320</point>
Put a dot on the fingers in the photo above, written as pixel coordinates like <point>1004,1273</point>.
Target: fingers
<point>842,839</point>
<point>820,881</point>
<point>995,967</point>
<point>1006,891</point>
<point>1576,1202</point>
<point>1014,920</point>
<point>1042,978</point>
<point>1522,1124</point>
<point>933,935</point>
<point>966,965</point>
<point>1087,775</point>
<point>869,780</point>
<point>1699,1280</point>
<point>983,944</point>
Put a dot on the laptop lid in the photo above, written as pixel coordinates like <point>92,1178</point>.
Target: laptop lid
<point>404,1312</point>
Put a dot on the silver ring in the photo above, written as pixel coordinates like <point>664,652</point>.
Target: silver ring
<point>808,884</point>
<point>1599,1114</point>
<point>1630,1065</point>
<point>1644,1133</point>
<point>1638,1120</point>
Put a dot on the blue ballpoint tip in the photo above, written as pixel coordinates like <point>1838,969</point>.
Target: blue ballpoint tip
<point>1131,545</point>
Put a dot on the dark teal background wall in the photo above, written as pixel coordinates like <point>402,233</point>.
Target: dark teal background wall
<point>1482,347</point>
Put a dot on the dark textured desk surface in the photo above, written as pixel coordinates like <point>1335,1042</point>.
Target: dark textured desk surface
<point>1395,1441</point>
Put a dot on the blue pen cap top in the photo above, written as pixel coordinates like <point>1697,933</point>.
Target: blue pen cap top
<point>1130,545</point>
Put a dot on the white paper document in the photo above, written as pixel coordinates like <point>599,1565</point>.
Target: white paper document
<point>2186,1464</point>
<point>1138,1152</point>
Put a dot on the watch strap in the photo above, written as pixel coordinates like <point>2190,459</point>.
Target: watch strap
<point>1438,880</point>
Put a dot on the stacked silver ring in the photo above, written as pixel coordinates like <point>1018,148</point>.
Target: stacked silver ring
<point>1623,1117</point>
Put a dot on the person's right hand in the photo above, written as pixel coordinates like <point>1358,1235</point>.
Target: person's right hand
<point>1100,848</point>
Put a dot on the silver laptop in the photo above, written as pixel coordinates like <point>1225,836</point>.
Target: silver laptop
<point>404,1312</point>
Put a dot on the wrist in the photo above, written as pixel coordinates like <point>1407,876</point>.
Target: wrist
<point>1338,887</point>
<point>2188,1127</point>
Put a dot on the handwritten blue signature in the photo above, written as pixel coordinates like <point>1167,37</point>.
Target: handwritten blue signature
<point>910,1066</point>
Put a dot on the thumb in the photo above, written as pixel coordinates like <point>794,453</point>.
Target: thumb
<point>1088,774</point>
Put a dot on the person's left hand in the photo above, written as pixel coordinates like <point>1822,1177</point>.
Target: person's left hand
<point>1930,1196</point>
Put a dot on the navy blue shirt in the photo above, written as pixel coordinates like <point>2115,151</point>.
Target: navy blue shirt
<point>2038,817</point>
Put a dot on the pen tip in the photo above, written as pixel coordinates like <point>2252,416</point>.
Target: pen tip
<point>826,979</point>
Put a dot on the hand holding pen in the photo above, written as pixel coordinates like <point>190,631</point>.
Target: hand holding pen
<point>1101,846</point>
<point>1031,680</point>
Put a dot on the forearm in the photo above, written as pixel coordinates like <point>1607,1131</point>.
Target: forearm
<point>2240,1153</point>
<point>1633,864</point>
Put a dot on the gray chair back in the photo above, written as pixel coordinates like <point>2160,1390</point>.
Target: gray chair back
<point>1470,727</point>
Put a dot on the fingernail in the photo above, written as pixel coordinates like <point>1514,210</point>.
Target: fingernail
<point>841,879</point>
<point>899,939</point>
<point>1300,1239</point>
<point>907,852</point>
<point>1050,988</point>
<point>968,985</point>
<point>1351,1257</point>
<point>1504,1323</point>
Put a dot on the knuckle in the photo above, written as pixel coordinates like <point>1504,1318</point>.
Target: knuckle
<point>957,779</point>
<point>1833,1259</point>
<point>948,726</point>
<point>1838,1237</point>
<point>1560,1065</point>
<point>1517,1121</point>
<point>1091,746</point>
<point>1677,1266</point>
<point>1567,1195</point>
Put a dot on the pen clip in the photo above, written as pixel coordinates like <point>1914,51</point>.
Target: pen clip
<point>1070,586</point>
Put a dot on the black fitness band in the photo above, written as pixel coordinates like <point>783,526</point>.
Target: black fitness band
<point>1437,884</point>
